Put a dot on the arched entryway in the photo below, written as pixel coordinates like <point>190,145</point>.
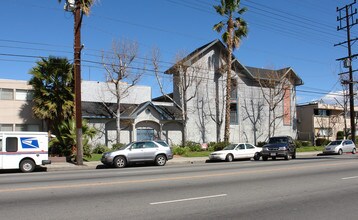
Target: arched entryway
<point>147,130</point>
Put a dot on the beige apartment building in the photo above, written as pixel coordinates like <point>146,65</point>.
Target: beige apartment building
<point>320,120</point>
<point>15,107</point>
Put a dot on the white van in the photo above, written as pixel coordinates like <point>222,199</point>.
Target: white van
<point>23,150</point>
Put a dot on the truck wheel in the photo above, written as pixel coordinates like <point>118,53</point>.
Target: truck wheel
<point>27,166</point>
<point>160,160</point>
<point>287,156</point>
<point>119,162</point>
<point>264,158</point>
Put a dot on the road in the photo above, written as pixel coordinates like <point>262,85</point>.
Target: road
<point>305,188</point>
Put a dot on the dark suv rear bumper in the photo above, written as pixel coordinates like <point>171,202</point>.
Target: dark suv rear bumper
<point>281,153</point>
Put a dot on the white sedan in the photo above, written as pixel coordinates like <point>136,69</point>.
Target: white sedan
<point>236,151</point>
<point>340,147</point>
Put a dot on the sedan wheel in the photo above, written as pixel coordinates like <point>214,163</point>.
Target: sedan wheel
<point>229,158</point>
<point>119,162</point>
<point>160,160</point>
<point>340,152</point>
<point>354,151</point>
<point>257,156</point>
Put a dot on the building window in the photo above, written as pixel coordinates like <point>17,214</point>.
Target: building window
<point>233,90</point>
<point>322,112</point>
<point>22,94</point>
<point>27,127</point>
<point>5,127</point>
<point>323,132</point>
<point>234,119</point>
<point>6,94</point>
<point>145,134</point>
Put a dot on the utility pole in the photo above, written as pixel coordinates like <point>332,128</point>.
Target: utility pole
<point>75,7</point>
<point>77,71</point>
<point>346,21</point>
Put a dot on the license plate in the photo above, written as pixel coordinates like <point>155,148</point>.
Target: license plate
<point>273,154</point>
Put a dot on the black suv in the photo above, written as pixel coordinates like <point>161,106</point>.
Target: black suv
<point>279,146</point>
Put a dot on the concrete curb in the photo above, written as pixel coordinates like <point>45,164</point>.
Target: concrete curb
<point>63,166</point>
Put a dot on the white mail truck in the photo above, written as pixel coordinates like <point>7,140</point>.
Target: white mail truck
<point>23,150</point>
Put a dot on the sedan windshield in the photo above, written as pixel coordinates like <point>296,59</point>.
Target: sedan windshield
<point>230,147</point>
<point>335,143</point>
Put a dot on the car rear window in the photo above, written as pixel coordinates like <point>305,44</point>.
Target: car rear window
<point>163,143</point>
<point>276,140</point>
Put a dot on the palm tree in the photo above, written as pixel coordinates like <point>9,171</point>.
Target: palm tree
<point>85,5</point>
<point>53,97</point>
<point>65,141</point>
<point>236,28</point>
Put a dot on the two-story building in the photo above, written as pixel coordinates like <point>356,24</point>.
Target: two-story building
<point>320,120</point>
<point>263,103</point>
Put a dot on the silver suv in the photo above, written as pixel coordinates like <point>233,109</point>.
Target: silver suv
<point>139,151</point>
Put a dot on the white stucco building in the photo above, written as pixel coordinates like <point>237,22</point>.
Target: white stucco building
<point>145,118</point>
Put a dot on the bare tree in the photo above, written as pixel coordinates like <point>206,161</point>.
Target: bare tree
<point>202,117</point>
<point>217,113</point>
<point>186,80</point>
<point>344,102</point>
<point>274,85</point>
<point>253,109</point>
<point>121,74</point>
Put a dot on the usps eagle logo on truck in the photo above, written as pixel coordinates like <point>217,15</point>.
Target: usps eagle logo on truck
<point>29,143</point>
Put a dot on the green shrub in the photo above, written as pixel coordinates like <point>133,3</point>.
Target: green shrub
<point>177,150</point>
<point>306,143</point>
<point>220,145</point>
<point>260,144</point>
<point>340,135</point>
<point>298,143</point>
<point>211,148</point>
<point>321,141</point>
<point>196,147</point>
<point>117,146</point>
<point>100,149</point>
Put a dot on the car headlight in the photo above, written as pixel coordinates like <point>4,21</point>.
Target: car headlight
<point>265,149</point>
<point>282,148</point>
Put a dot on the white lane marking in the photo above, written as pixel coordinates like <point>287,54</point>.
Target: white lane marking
<point>189,199</point>
<point>351,177</point>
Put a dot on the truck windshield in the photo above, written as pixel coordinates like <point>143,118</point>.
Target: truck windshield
<point>276,140</point>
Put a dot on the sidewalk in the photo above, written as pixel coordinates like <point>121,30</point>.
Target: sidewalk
<point>62,166</point>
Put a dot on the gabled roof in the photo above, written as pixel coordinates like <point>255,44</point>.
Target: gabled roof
<point>260,73</point>
<point>250,72</point>
<point>128,111</point>
<point>105,110</point>
<point>188,60</point>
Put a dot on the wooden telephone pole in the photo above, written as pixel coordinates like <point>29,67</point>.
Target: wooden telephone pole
<point>346,21</point>
<point>74,6</point>
<point>77,71</point>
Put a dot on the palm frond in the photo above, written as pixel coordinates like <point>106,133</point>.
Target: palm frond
<point>218,27</point>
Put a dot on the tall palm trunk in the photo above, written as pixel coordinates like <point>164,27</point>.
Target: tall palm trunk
<point>230,29</point>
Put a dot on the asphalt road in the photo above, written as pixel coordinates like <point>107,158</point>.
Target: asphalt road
<point>305,188</point>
